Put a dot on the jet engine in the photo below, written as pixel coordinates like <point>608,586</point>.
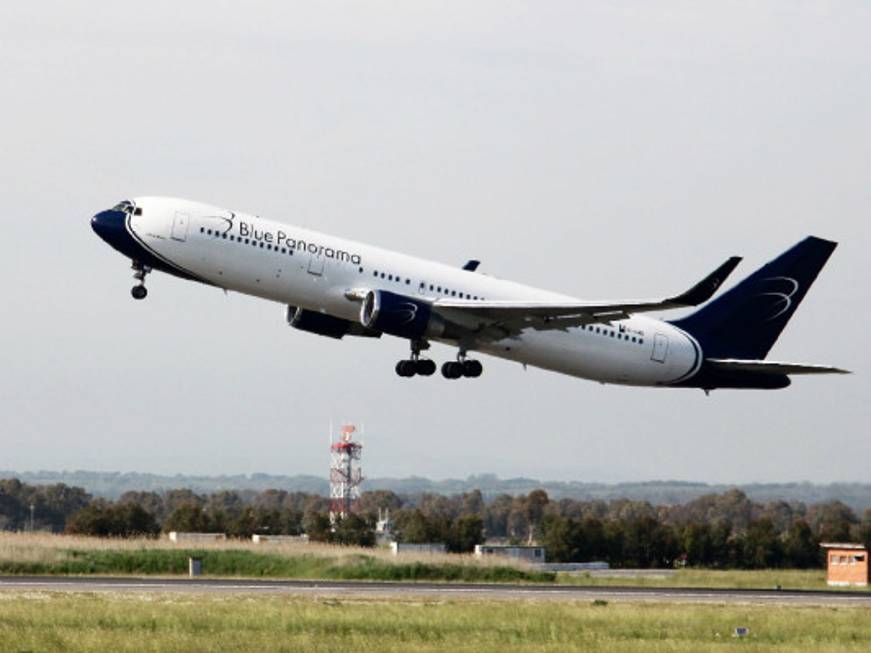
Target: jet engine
<point>400,315</point>
<point>326,325</point>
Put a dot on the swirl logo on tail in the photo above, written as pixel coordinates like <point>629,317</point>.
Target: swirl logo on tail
<point>783,300</point>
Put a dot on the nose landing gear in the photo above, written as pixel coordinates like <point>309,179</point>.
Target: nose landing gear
<point>139,291</point>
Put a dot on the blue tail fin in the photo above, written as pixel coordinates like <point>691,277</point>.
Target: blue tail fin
<point>746,321</point>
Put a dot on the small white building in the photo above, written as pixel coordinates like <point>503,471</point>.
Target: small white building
<point>384,528</point>
<point>517,552</point>
<point>279,539</point>
<point>426,548</point>
<point>178,536</point>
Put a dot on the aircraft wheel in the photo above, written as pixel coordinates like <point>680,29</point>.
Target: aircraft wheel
<point>405,368</point>
<point>139,292</point>
<point>452,370</point>
<point>472,369</point>
<point>424,367</point>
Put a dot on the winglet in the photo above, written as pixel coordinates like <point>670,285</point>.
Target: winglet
<point>471,265</point>
<point>706,288</point>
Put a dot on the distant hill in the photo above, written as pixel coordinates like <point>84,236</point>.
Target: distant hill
<point>111,485</point>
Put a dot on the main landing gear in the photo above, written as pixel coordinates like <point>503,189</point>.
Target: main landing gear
<point>416,364</point>
<point>139,291</point>
<point>471,369</point>
<point>463,367</point>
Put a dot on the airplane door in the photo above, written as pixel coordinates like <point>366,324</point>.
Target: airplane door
<point>316,265</point>
<point>660,348</point>
<point>180,225</point>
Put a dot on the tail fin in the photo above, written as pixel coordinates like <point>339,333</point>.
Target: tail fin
<point>746,321</point>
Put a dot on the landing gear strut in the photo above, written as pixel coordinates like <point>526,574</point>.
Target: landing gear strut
<point>416,364</point>
<point>139,291</point>
<point>463,366</point>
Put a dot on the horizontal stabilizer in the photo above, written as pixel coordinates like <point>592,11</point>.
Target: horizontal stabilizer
<point>770,367</point>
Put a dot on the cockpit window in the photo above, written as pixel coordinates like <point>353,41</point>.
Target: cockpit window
<point>126,206</point>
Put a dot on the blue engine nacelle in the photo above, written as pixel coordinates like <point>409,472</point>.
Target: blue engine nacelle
<point>400,315</point>
<point>325,325</point>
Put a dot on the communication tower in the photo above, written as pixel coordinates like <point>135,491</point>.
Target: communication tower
<point>346,475</point>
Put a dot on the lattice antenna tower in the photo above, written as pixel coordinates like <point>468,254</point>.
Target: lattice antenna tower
<point>346,474</point>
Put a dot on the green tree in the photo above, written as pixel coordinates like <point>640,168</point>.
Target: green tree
<point>761,547</point>
<point>108,520</point>
<point>558,535</point>
<point>863,530</point>
<point>354,530</point>
<point>188,518</point>
<point>647,543</point>
<point>317,526</point>
<point>831,521</point>
<point>415,528</point>
<point>465,533</point>
<point>534,507</point>
<point>801,549</point>
<point>697,544</point>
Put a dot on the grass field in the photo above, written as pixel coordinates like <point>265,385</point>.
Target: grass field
<point>788,579</point>
<point>53,554</point>
<point>43,621</point>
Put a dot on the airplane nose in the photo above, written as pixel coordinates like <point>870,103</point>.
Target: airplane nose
<point>107,224</point>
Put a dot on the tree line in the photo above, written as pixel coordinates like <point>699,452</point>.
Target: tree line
<point>725,530</point>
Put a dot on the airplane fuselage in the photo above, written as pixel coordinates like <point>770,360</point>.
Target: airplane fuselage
<point>326,274</point>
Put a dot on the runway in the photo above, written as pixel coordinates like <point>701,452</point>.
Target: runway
<point>440,591</point>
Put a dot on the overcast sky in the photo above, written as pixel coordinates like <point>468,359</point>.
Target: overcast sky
<point>613,150</point>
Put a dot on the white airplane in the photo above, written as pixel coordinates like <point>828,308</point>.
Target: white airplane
<point>335,287</point>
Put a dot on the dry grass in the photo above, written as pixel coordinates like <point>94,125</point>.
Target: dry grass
<point>44,553</point>
<point>48,547</point>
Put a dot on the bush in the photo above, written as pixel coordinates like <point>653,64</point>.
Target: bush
<point>112,520</point>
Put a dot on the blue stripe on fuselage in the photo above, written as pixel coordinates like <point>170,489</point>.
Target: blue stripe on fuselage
<point>111,226</point>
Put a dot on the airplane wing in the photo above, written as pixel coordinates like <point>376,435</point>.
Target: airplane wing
<point>512,317</point>
<point>771,367</point>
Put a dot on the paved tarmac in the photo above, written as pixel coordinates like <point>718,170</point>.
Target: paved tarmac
<point>361,589</point>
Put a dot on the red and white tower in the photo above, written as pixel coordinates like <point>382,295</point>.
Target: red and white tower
<point>346,475</point>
